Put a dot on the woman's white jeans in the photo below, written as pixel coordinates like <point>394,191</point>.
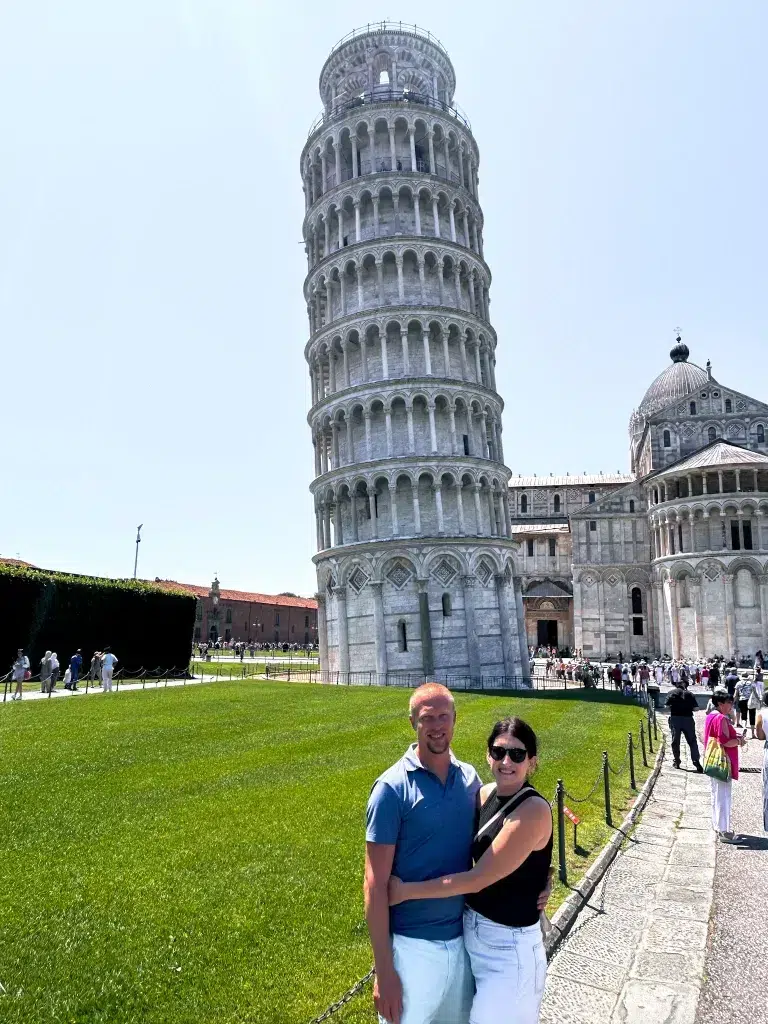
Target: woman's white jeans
<point>509,966</point>
<point>721,804</point>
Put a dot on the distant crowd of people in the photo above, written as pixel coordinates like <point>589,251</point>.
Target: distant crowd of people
<point>243,647</point>
<point>101,671</point>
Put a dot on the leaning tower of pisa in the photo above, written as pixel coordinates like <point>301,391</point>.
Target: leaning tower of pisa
<point>414,555</point>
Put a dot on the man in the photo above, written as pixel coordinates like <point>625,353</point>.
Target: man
<point>682,704</point>
<point>420,825</point>
<point>75,664</point>
<point>655,679</point>
<point>108,662</point>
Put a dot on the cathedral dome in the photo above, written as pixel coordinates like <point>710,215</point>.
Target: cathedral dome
<point>677,381</point>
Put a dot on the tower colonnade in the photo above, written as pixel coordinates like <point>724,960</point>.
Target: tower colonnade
<point>414,550</point>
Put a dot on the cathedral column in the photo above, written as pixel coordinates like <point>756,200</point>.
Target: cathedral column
<point>578,631</point>
<point>432,429</point>
<point>427,651</point>
<point>670,594</point>
<point>340,593</point>
<point>694,587</point>
<point>473,654</point>
<point>322,633</point>
<point>661,629</point>
<point>431,140</point>
<point>437,488</point>
<point>379,636</point>
<point>730,622</point>
<point>416,509</point>
<point>764,612</point>
<point>327,524</point>
<point>353,515</point>
<point>425,335</point>
<point>452,426</point>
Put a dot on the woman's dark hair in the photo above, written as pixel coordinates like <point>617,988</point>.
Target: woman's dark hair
<point>519,729</point>
<point>721,698</point>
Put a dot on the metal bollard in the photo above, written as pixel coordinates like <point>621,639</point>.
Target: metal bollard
<point>560,796</point>
<point>631,755</point>
<point>607,787</point>
<point>650,738</point>
<point>655,729</point>
<point>642,744</point>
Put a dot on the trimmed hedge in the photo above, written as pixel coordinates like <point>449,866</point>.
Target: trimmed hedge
<point>144,625</point>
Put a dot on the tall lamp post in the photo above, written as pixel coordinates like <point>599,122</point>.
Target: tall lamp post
<point>138,541</point>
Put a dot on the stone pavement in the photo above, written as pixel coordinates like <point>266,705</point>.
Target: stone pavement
<point>637,952</point>
<point>736,964</point>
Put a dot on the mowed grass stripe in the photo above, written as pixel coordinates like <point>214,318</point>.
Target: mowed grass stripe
<point>195,855</point>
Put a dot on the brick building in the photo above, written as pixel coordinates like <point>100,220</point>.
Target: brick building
<point>241,615</point>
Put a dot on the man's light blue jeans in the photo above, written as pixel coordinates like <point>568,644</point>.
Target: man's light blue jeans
<point>436,979</point>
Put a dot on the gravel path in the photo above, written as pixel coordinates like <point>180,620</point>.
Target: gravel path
<point>736,965</point>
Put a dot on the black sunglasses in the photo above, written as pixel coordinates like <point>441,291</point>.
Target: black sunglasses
<point>516,754</point>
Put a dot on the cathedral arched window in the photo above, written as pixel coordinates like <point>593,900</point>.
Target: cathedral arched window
<point>637,601</point>
<point>761,435</point>
<point>712,434</point>
<point>524,503</point>
<point>667,439</point>
<point>728,405</point>
<point>447,609</point>
<point>591,497</point>
<point>631,504</point>
<point>693,408</point>
<point>556,503</point>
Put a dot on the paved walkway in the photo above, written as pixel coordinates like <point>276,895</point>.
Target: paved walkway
<point>637,953</point>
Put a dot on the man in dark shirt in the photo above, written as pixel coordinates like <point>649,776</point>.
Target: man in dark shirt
<point>682,705</point>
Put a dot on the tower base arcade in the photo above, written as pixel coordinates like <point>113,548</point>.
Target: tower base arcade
<point>393,613</point>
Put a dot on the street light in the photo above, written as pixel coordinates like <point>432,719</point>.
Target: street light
<point>138,541</point>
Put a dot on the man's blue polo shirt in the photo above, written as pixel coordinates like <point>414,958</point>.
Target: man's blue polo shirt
<point>431,826</point>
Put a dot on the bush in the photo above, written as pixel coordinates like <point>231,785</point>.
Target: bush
<point>144,625</point>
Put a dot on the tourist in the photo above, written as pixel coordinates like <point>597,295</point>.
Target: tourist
<point>762,734</point>
<point>19,672</point>
<point>741,700</point>
<point>718,726</point>
<point>511,851</point>
<point>616,676</point>
<point>655,680</point>
<point>645,675</point>
<point>731,678</point>
<point>418,947</point>
<point>54,672</point>
<point>45,672</point>
<point>682,704</point>
<point>94,672</point>
<point>75,664</point>
<point>108,662</point>
<point>705,675</point>
<point>714,674</point>
<point>755,699</point>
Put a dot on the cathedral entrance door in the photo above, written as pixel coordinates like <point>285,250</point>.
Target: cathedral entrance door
<point>547,631</point>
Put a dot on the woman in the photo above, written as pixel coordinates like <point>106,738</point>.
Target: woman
<point>45,672</point>
<point>718,725</point>
<point>512,851</point>
<point>19,672</point>
<point>755,699</point>
<point>762,734</point>
<point>741,696</point>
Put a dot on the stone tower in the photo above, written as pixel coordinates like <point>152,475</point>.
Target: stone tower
<point>414,552</point>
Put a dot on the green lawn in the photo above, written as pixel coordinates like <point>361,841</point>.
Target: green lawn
<point>194,855</point>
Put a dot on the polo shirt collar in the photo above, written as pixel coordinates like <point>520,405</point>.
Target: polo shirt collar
<point>413,763</point>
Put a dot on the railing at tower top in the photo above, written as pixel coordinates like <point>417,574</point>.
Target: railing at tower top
<point>383,95</point>
<point>388,26</point>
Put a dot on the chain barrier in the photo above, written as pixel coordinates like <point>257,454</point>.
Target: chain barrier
<point>583,799</point>
<point>348,995</point>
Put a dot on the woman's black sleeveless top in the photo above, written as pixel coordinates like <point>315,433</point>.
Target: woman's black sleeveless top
<point>511,900</point>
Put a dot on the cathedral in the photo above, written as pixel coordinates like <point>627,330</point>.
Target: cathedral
<point>670,559</point>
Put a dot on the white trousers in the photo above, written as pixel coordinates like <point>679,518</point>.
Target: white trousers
<point>509,967</point>
<point>721,805</point>
<point>436,980</point>
<point>106,679</point>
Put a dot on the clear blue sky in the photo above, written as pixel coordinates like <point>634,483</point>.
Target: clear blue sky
<point>151,312</point>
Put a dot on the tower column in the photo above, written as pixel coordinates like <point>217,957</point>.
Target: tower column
<point>340,593</point>
<point>473,654</point>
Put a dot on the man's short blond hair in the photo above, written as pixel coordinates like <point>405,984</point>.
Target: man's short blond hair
<point>428,691</point>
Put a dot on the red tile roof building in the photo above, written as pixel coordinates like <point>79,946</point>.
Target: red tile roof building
<point>242,615</point>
